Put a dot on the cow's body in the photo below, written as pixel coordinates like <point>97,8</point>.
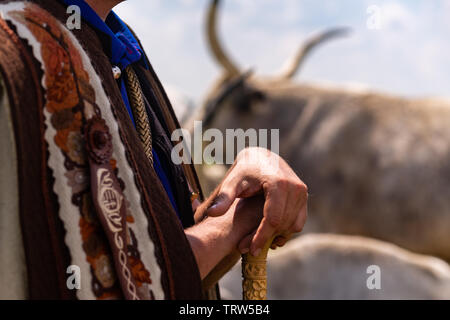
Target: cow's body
<point>342,267</point>
<point>376,165</point>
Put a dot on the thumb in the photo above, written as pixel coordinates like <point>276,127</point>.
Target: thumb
<point>221,202</point>
<point>245,243</point>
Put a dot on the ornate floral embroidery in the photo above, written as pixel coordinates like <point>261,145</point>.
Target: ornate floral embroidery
<point>67,90</point>
<point>62,119</point>
<point>104,271</point>
<point>139,272</point>
<point>78,179</point>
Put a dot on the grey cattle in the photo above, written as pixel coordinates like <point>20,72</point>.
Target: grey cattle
<point>376,165</point>
<point>326,266</point>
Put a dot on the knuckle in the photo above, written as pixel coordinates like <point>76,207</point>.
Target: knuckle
<point>301,191</point>
<point>298,227</point>
<point>275,220</point>
<point>301,188</point>
<point>282,183</point>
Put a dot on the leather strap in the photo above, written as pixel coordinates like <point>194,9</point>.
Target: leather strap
<point>109,200</point>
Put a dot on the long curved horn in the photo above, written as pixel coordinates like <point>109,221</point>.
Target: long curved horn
<point>292,66</point>
<point>214,43</point>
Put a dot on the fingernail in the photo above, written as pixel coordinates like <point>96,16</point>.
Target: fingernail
<point>214,204</point>
<point>257,252</point>
<point>212,207</point>
<point>245,251</point>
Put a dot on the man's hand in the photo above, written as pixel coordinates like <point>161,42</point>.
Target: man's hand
<point>216,237</point>
<point>259,171</point>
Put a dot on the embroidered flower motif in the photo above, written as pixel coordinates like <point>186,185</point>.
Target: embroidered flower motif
<point>62,136</point>
<point>40,18</point>
<point>75,146</point>
<point>87,209</point>
<point>93,245</point>
<point>78,179</point>
<point>61,86</point>
<point>139,272</point>
<point>98,140</point>
<point>56,58</point>
<point>61,92</point>
<point>104,271</point>
<point>86,229</point>
<point>62,119</point>
<point>77,63</point>
<point>110,294</point>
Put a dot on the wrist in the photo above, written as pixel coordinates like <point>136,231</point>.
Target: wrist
<point>211,240</point>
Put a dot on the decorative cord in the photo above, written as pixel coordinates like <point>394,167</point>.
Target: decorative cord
<point>137,103</point>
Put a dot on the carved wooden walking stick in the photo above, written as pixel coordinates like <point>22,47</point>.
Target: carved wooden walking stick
<point>254,274</point>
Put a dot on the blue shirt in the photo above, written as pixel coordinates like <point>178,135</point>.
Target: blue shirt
<point>123,49</point>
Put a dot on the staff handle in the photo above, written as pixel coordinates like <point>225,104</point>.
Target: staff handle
<point>254,274</point>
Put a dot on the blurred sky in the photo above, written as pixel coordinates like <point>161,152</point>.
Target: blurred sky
<point>409,55</point>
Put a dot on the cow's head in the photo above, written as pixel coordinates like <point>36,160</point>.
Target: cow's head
<point>242,95</point>
<point>240,99</point>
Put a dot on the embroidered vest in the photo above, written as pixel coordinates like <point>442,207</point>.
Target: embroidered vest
<point>90,201</point>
